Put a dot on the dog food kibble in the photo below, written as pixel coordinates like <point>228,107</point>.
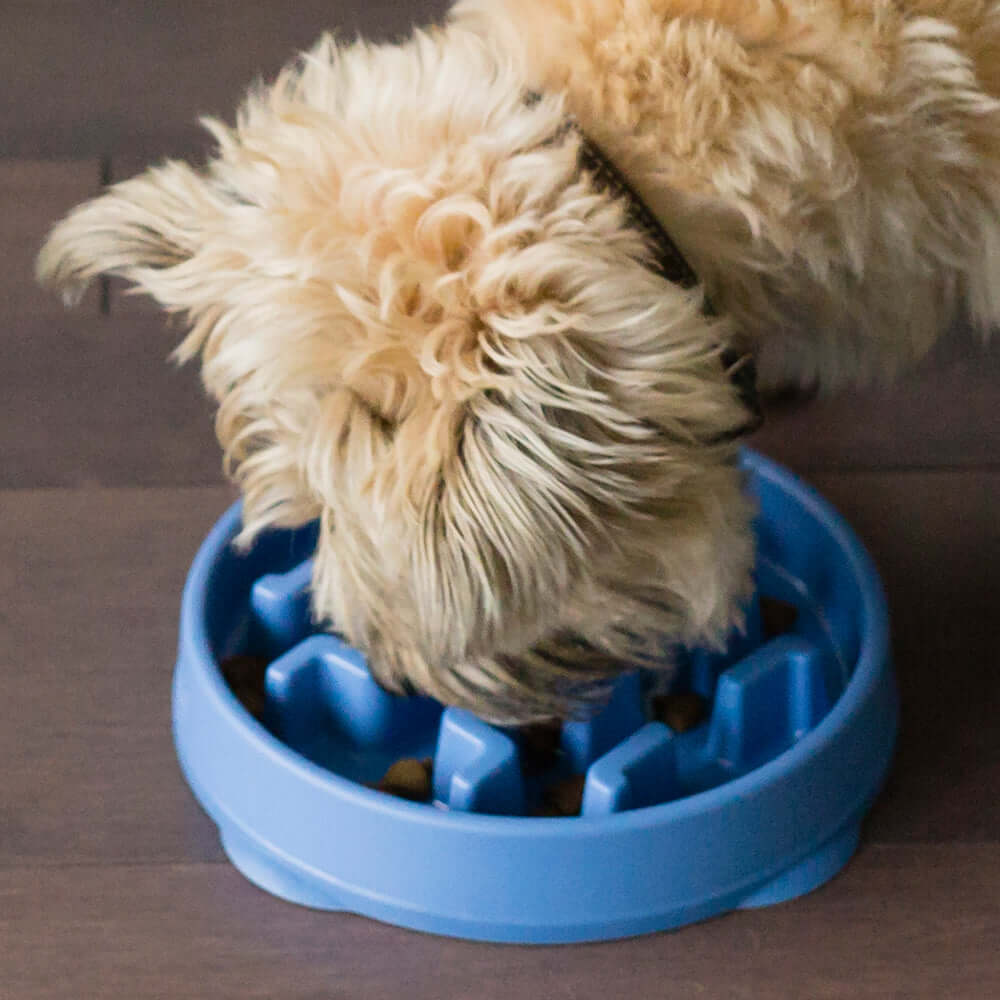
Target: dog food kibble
<point>410,779</point>
<point>539,742</point>
<point>682,711</point>
<point>244,674</point>
<point>777,617</point>
<point>563,798</point>
<point>545,810</point>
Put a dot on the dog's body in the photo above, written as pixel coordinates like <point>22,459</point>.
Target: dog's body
<point>428,328</point>
<point>830,167</point>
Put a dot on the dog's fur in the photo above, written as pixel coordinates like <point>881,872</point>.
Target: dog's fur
<point>426,328</point>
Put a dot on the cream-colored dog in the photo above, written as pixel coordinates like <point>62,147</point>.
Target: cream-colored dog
<point>429,325</point>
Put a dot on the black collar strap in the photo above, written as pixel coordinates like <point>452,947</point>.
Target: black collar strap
<point>669,262</point>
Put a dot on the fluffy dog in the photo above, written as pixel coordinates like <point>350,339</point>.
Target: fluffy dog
<point>430,326</point>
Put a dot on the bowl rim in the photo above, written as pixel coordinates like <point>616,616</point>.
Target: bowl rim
<point>871,664</point>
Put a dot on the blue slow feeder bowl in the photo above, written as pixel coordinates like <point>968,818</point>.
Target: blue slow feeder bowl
<point>761,803</point>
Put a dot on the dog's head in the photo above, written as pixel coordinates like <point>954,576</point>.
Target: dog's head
<point>427,328</point>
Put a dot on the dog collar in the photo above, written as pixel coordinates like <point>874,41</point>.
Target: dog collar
<point>668,261</point>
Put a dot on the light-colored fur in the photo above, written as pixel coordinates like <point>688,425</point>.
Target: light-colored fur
<point>831,167</point>
<point>425,327</point>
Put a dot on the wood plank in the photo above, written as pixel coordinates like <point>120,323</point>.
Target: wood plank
<point>914,922</point>
<point>93,78</point>
<point>90,584</point>
<point>86,399</point>
<point>36,194</point>
<point>92,399</point>
<point>935,537</point>
<point>943,413</point>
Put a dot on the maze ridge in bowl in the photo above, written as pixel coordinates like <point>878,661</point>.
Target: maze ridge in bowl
<point>760,802</point>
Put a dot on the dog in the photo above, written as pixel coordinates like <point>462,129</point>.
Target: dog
<point>472,302</point>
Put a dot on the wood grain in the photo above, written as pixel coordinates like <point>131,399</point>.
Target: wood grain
<point>35,195</point>
<point>910,922</point>
<point>93,400</point>
<point>90,585</point>
<point>935,537</point>
<point>86,399</point>
<point>942,413</point>
<point>107,76</point>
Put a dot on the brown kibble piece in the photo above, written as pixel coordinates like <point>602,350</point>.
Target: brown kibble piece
<point>539,743</point>
<point>410,779</point>
<point>563,798</point>
<point>545,810</point>
<point>777,617</point>
<point>682,711</point>
<point>244,674</point>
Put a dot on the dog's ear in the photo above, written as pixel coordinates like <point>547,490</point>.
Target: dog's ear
<point>140,230</point>
<point>179,234</point>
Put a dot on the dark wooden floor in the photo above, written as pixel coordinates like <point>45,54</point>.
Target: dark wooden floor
<point>112,883</point>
